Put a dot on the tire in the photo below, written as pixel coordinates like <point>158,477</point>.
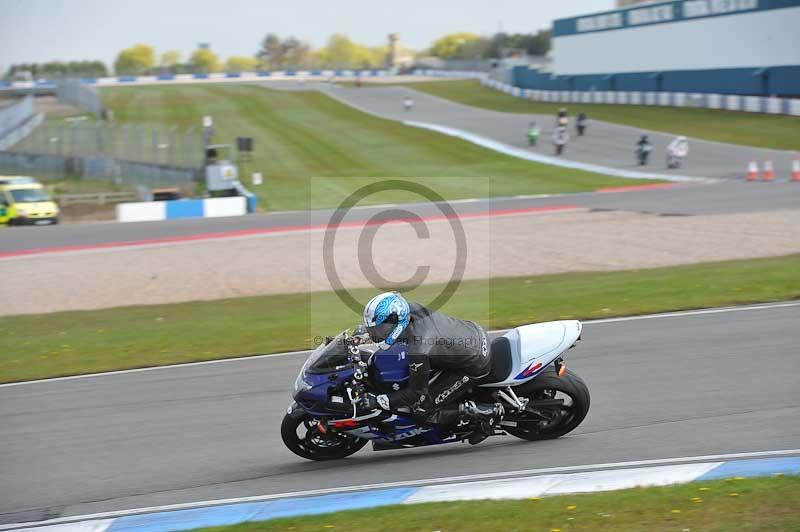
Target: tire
<point>320,447</point>
<point>542,387</point>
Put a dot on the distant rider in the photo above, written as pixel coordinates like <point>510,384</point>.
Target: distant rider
<point>561,118</point>
<point>560,139</point>
<point>677,150</point>
<point>533,134</point>
<point>643,149</point>
<point>435,341</point>
<point>408,103</point>
<point>581,123</point>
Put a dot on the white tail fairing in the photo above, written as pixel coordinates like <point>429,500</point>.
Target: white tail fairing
<point>534,347</point>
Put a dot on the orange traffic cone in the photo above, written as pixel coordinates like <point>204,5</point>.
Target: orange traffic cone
<point>752,171</point>
<point>769,172</point>
<point>796,169</point>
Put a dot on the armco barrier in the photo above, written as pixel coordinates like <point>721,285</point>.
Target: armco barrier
<point>151,211</point>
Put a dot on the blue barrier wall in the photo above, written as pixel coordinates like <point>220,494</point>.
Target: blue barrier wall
<point>780,81</point>
<point>188,208</point>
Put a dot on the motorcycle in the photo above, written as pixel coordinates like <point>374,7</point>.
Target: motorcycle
<point>560,139</point>
<point>674,161</point>
<point>643,152</point>
<point>677,150</point>
<point>541,398</point>
<point>533,136</point>
<point>580,125</point>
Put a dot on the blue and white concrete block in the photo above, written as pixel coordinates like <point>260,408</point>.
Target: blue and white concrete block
<point>151,211</point>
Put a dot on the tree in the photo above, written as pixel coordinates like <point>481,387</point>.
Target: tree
<point>533,43</point>
<point>137,59</point>
<point>341,52</point>
<point>539,44</point>
<point>450,46</point>
<point>203,60</point>
<point>296,53</point>
<point>170,58</point>
<point>281,53</point>
<point>271,52</point>
<point>241,63</point>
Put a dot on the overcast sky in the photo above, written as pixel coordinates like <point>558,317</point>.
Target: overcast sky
<point>44,30</point>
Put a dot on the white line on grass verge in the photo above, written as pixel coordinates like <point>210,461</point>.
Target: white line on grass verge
<point>677,314</point>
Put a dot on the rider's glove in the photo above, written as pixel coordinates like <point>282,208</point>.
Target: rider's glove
<point>374,402</point>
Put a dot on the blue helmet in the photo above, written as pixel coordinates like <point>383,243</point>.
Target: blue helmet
<point>386,316</point>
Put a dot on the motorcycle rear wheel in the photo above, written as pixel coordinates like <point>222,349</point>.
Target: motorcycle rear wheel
<point>547,386</point>
<point>313,444</point>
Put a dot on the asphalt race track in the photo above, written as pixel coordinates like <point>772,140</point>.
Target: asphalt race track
<point>664,387</point>
<point>680,199</point>
<point>604,144</point>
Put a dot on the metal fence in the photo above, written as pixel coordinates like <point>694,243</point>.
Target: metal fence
<point>37,165</point>
<point>119,171</point>
<point>132,172</point>
<point>157,145</point>
<point>79,94</point>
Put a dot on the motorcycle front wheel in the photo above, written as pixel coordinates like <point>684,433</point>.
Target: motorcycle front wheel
<point>557,405</point>
<point>302,436</point>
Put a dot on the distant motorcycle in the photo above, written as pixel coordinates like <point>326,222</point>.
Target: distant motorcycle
<point>408,104</point>
<point>677,150</point>
<point>533,135</point>
<point>327,420</point>
<point>560,139</point>
<point>580,124</point>
<point>643,149</point>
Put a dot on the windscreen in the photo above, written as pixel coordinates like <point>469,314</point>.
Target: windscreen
<point>29,195</point>
<point>328,358</point>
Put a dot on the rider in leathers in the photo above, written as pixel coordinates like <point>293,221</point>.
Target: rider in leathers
<point>459,348</point>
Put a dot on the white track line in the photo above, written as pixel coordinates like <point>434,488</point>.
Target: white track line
<point>677,314</point>
<point>410,483</point>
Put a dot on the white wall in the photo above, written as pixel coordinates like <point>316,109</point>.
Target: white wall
<point>761,38</point>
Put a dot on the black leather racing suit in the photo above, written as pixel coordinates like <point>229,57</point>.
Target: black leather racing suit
<point>435,341</point>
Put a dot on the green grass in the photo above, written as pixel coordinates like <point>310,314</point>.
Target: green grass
<point>766,504</point>
<point>301,135</point>
<point>751,129</point>
<point>69,343</point>
<point>77,185</point>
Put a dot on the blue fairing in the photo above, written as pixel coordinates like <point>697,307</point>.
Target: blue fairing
<point>392,365</point>
<point>318,393</point>
<point>320,383</point>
